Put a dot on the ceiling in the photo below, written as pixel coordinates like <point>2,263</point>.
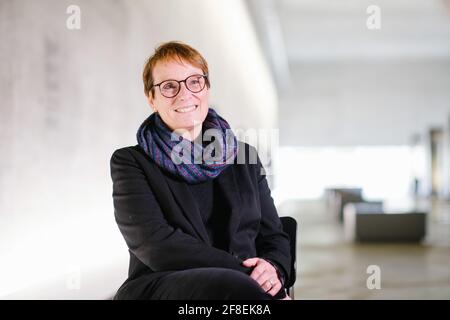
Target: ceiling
<point>298,31</point>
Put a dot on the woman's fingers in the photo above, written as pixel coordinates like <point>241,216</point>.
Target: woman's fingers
<point>264,274</point>
<point>264,271</point>
<point>269,282</point>
<point>274,290</point>
<point>250,262</point>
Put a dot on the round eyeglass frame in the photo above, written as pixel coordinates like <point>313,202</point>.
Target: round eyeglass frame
<point>205,76</point>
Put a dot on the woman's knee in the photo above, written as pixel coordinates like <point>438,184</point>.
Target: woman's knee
<point>197,284</point>
<point>234,285</point>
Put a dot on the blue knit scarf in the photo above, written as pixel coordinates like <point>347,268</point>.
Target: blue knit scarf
<point>191,161</point>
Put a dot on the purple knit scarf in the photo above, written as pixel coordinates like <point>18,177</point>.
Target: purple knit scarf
<point>193,162</point>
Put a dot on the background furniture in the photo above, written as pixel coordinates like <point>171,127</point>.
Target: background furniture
<point>365,222</point>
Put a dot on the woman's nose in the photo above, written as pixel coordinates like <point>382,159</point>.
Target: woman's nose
<point>183,91</point>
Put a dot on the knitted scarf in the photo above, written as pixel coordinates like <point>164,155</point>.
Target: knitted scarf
<point>191,161</point>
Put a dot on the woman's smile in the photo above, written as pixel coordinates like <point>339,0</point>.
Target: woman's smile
<point>187,109</point>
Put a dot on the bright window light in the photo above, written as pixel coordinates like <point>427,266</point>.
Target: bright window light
<point>383,172</point>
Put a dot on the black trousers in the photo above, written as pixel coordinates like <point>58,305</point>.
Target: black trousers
<point>195,284</point>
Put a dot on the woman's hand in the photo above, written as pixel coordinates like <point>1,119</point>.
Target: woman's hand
<point>265,274</point>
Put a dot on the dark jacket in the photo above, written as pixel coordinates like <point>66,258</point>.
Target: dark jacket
<point>161,223</point>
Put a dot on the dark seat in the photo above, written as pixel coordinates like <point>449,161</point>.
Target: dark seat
<point>290,227</point>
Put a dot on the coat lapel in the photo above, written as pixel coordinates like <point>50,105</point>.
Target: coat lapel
<point>187,203</point>
<point>230,190</point>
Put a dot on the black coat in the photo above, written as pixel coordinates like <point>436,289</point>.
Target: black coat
<point>161,223</point>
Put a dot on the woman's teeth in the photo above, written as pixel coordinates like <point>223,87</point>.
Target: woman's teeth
<point>186,109</point>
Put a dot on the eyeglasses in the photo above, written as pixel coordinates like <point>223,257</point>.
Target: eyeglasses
<point>170,88</point>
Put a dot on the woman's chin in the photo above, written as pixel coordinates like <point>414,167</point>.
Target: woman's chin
<point>188,120</point>
<point>187,123</point>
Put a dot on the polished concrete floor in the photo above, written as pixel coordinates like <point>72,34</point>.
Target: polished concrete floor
<point>329,267</point>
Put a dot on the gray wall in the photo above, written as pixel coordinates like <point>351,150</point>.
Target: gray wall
<point>346,103</point>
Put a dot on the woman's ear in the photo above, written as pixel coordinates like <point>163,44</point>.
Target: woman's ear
<point>151,102</point>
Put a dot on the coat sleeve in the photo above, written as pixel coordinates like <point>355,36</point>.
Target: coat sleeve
<point>147,233</point>
<point>272,243</point>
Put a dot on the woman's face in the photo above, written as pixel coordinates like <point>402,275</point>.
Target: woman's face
<point>187,110</point>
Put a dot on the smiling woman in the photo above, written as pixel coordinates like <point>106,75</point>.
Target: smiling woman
<point>182,104</point>
<point>203,230</point>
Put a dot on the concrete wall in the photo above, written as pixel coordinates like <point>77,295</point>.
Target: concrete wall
<point>354,85</point>
<point>347,103</point>
<point>69,98</point>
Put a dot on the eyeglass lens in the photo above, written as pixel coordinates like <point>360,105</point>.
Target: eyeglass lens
<point>170,88</point>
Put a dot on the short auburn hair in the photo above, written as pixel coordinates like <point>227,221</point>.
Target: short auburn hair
<point>173,50</point>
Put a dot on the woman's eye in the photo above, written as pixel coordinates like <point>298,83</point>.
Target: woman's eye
<point>169,86</point>
<point>194,81</point>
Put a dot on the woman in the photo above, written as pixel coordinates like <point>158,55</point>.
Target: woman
<point>199,224</point>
